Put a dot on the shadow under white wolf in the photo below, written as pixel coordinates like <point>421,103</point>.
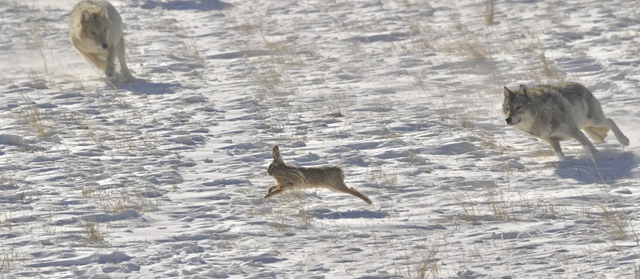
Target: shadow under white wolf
<point>95,30</point>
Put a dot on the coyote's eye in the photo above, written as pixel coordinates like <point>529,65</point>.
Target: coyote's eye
<point>94,33</point>
<point>518,107</point>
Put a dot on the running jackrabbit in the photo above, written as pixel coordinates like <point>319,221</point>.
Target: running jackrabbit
<point>289,177</point>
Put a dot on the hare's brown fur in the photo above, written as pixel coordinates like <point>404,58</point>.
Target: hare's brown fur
<point>288,177</point>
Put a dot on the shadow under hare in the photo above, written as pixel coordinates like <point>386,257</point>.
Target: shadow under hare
<point>288,177</point>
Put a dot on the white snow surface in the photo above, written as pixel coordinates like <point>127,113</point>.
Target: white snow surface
<point>165,177</point>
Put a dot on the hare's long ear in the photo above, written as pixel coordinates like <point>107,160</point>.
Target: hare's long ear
<point>276,155</point>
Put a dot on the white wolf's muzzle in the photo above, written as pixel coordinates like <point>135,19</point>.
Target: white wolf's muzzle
<point>511,121</point>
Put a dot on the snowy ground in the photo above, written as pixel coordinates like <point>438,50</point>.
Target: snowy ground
<point>165,177</point>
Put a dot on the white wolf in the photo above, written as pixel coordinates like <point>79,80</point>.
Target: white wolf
<point>558,112</point>
<point>95,30</point>
<point>288,177</point>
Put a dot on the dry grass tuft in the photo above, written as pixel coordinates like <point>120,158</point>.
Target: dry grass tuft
<point>468,208</point>
<point>489,12</point>
<point>291,210</point>
<point>467,43</point>
<point>39,44</point>
<point>499,204</point>
<point>125,197</point>
<point>546,70</point>
<point>421,263</point>
<point>429,266</point>
<point>471,46</point>
<point>617,220</point>
<point>386,179</point>
<point>34,117</point>
<point>93,231</point>
<point>187,48</point>
<point>405,3</point>
<point>9,262</point>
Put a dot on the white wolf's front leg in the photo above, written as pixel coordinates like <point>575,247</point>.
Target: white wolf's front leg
<point>93,59</point>
<point>120,54</point>
<point>580,137</point>
<point>111,64</point>
<point>555,144</point>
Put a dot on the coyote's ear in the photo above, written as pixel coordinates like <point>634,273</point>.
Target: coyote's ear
<point>507,92</point>
<point>524,90</point>
<point>86,17</point>
<point>103,13</point>
<point>276,154</point>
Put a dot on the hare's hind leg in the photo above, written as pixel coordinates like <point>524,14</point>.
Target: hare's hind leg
<point>343,188</point>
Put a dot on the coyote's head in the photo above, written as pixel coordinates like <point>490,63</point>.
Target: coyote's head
<point>95,28</point>
<point>516,105</point>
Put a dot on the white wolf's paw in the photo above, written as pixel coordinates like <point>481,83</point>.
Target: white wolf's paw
<point>129,78</point>
<point>110,71</point>
<point>624,141</point>
<point>560,157</point>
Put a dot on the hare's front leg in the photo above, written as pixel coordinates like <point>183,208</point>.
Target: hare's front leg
<point>279,188</point>
<point>274,190</point>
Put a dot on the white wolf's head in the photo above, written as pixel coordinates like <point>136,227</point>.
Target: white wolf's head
<point>95,28</point>
<point>516,105</point>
